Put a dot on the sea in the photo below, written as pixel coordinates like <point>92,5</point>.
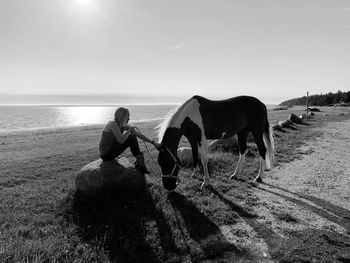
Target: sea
<point>38,117</point>
<point>30,118</point>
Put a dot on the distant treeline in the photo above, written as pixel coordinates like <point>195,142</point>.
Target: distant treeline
<point>329,99</point>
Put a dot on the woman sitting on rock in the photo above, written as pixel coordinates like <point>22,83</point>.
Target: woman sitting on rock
<point>118,136</point>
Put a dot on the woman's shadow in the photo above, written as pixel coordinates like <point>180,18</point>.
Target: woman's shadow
<point>117,224</point>
<point>150,226</point>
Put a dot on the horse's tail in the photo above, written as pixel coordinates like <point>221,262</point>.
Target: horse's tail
<point>270,146</point>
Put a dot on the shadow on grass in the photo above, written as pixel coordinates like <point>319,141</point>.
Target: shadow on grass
<point>202,230</point>
<point>312,245</point>
<point>241,211</point>
<point>272,240</point>
<point>149,226</point>
<point>119,223</point>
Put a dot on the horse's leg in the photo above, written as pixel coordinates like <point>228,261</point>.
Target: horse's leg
<point>258,137</point>
<point>242,144</point>
<point>239,166</point>
<point>195,157</point>
<point>204,159</point>
<point>195,170</point>
<point>261,173</point>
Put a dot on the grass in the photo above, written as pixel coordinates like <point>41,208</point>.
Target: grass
<point>287,217</point>
<point>43,219</point>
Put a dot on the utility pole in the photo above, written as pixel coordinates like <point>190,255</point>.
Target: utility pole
<point>307,105</point>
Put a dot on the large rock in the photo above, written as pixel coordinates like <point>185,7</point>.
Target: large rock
<point>294,118</point>
<point>313,109</point>
<point>99,176</point>
<point>185,156</point>
<point>226,143</point>
<point>277,127</point>
<point>303,116</point>
<point>286,124</point>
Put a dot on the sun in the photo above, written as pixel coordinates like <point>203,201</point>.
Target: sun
<point>83,2</point>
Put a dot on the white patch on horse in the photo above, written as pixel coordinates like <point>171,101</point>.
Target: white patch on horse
<point>171,117</point>
<point>196,117</point>
<point>189,109</point>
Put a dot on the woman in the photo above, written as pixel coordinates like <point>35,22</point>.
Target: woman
<point>118,135</point>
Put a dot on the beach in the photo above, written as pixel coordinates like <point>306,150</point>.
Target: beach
<point>38,168</point>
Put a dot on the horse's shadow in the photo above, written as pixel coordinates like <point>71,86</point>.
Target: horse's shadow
<point>273,241</point>
<point>117,224</point>
<point>199,228</point>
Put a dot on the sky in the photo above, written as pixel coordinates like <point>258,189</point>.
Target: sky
<point>271,49</point>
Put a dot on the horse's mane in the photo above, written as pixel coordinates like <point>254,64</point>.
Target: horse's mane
<point>170,118</point>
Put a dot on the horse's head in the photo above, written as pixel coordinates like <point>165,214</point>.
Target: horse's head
<point>169,165</point>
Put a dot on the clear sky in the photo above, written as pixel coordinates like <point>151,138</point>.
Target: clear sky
<point>272,49</point>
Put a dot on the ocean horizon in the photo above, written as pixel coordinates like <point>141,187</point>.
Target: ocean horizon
<point>17,118</point>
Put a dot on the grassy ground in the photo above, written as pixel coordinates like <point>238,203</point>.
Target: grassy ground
<point>42,219</point>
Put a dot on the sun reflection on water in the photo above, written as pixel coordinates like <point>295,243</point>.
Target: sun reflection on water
<point>16,118</point>
<point>84,115</point>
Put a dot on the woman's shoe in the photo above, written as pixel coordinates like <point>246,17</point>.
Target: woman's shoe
<point>140,164</point>
<point>142,169</point>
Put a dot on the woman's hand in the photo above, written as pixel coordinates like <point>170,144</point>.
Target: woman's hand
<point>131,129</point>
<point>128,128</point>
<point>125,127</point>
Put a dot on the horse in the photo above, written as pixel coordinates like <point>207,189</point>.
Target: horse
<point>200,119</point>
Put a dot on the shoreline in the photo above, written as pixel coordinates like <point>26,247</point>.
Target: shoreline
<point>25,118</point>
<point>88,105</point>
<point>40,130</point>
<point>45,130</point>
<point>273,115</point>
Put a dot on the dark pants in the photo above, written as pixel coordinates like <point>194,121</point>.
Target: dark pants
<point>118,148</point>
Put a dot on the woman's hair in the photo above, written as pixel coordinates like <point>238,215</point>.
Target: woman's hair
<point>121,116</point>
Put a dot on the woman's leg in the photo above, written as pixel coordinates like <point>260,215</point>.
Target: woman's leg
<point>140,159</point>
<point>118,148</point>
<point>133,144</point>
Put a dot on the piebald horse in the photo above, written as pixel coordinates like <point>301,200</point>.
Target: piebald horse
<point>200,120</point>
